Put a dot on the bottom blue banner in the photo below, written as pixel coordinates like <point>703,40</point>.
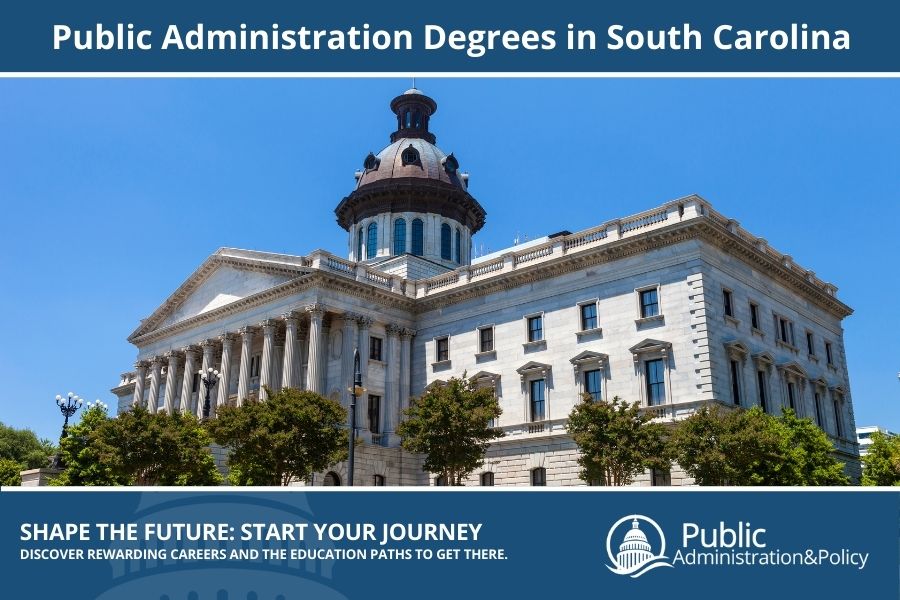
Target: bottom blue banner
<point>334,544</point>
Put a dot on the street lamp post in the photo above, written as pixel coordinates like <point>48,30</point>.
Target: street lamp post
<point>355,391</point>
<point>209,379</point>
<point>68,406</point>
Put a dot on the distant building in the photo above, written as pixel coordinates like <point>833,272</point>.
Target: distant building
<point>677,308</point>
<point>864,437</point>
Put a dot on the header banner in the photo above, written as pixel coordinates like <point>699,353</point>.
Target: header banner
<point>463,36</point>
<point>262,545</point>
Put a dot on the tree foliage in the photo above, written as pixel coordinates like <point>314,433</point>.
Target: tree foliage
<point>24,447</point>
<point>450,425</point>
<point>10,472</point>
<point>881,465</point>
<point>751,447</point>
<point>616,442</point>
<point>285,438</point>
<point>138,448</point>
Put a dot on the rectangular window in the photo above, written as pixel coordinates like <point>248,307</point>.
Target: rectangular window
<point>649,303</point>
<point>735,383</point>
<point>535,328</point>
<point>538,390</point>
<point>487,479</point>
<point>195,384</point>
<point>810,344</point>
<point>486,339</point>
<point>763,393</point>
<point>442,349</point>
<point>660,478</point>
<point>754,315</point>
<point>539,477</point>
<point>589,316</point>
<point>792,394</point>
<point>375,345</point>
<point>784,330</point>
<point>818,400</point>
<point>727,302</point>
<point>378,481</point>
<point>592,384</point>
<point>375,414</point>
<point>829,356</point>
<point>255,363</point>
<point>656,382</point>
<point>838,422</point>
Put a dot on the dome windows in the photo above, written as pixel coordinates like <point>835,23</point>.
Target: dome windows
<point>372,241</point>
<point>410,156</point>
<point>418,237</point>
<point>371,163</point>
<point>399,237</point>
<point>451,165</point>
<point>445,242</point>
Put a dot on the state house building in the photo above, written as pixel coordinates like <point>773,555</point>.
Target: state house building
<point>677,307</point>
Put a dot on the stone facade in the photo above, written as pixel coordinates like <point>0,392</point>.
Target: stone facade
<point>688,309</point>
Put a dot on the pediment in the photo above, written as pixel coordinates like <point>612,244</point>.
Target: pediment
<point>649,345</point>
<point>588,356</point>
<point>484,375</point>
<point>793,367</point>
<point>226,277</point>
<point>533,367</point>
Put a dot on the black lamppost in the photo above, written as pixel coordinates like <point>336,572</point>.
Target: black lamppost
<point>68,406</point>
<point>355,391</point>
<point>209,379</point>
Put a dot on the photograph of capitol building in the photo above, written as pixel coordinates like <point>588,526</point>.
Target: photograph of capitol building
<point>677,307</point>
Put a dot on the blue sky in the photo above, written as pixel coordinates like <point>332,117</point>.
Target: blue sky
<point>114,190</point>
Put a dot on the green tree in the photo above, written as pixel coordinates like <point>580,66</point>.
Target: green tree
<point>810,453</point>
<point>616,441</point>
<point>10,472</point>
<point>881,465</point>
<point>450,425</point>
<point>80,453</point>
<point>749,447</point>
<point>138,448</point>
<point>285,438</point>
<point>24,447</point>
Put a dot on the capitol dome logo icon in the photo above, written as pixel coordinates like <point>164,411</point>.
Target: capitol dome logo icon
<point>635,556</point>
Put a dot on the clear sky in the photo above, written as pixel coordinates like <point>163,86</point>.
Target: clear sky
<point>114,190</point>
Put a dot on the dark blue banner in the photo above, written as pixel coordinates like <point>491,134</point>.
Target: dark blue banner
<point>229,545</point>
<point>463,36</point>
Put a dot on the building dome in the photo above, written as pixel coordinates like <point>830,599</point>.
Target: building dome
<point>415,185</point>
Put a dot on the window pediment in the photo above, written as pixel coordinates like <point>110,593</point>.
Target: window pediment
<point>533,368</point>
<point>589,357</point>
<point>793,368</point>
<point>650,345</point>
<point>763,359</point>
<point>482,376</point>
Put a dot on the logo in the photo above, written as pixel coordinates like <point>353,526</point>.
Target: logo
<point>635,556</point>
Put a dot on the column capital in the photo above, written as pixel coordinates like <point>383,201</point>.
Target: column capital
<point>247,331</point>
<point>365,322</point>
<point>141,364</point>
<point>393,330</point>
<point>268,326</point>
<point>407,334</point>
<point>208,345</point>
<point>157,360</point>
<point>350,319</point>
<point>189,350</point>
<point>315,310</point>
<point>290,318</point>
<point>227,337</point>
<point>172,355</point>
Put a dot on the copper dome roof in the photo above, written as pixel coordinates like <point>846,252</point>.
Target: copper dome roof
<point>430,163</point>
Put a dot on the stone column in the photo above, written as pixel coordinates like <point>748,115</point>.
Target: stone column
<point>209,348</point>
<point>278,361</point>
<point>313,378</point>
<point>362,404</point>
<point>288,379</point>
<point>187,380</point>
<point>301,355</point>
<point>140,379</point>
<point>244,373</point>
<point>348,344</point>
<point>265,367</point>
<point>171,379</point>
<point>227,340</point>
<point>391,386</point>
<point>155,381</point>
<point>406,336</point>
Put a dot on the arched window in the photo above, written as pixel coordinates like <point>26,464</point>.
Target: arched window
<point>399,237</point>
<point>359,244</point>
<point>372,240</point>
<point>408,119</point>
<point>417,120</point>
<point>487,479</point>
<point>418,237</point>
<point>445,241</point>
<point>539,477</point>
<point>458,247</point>
<point>332,479</point>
